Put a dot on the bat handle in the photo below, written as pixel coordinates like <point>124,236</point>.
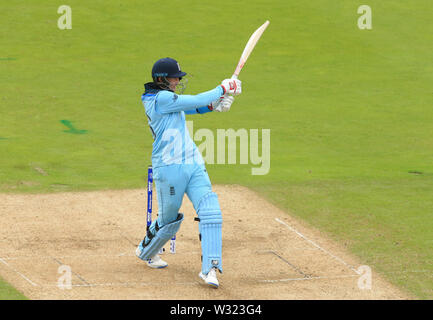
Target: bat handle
<point>234,76</point>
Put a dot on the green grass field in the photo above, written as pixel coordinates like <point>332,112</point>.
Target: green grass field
<point>349,110</point>
<point>7,292</point>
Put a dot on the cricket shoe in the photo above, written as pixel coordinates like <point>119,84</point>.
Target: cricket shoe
<point>155,262</point>
<point>210,278</point>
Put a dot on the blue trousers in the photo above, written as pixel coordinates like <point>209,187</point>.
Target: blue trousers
<point>172,182</point>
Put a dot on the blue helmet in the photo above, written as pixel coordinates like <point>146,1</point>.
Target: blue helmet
<point>167,68</point>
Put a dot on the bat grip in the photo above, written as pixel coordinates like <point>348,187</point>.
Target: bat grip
<point>234,76</point>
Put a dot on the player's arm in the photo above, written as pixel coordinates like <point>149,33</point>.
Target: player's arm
<point>223,104</point>
<point>168,102</point>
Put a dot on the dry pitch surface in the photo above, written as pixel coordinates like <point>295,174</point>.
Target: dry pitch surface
<point>267,254</point>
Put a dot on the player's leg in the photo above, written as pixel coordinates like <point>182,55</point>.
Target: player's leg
<point>170,183</point>
<point>199,191</point>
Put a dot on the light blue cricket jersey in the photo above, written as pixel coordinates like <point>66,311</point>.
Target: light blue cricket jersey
<point>165,111</point>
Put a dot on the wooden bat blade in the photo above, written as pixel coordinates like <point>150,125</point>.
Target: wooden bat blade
<point>249,47</point>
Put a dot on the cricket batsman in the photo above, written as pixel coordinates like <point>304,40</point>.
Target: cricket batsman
<point>178,166</point>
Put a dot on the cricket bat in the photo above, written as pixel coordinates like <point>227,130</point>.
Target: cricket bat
<point>249,47</point>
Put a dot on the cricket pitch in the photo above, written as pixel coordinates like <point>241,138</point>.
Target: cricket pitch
<point>267,253</point>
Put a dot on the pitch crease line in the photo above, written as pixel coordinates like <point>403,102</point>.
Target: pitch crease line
<point>317,246</point>
<point>125,254</point>
<point>123,284</point>
<point>309,278</point>
<point>19,273</point>
<point>77,256</point>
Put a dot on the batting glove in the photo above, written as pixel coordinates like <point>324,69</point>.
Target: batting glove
<point>214,104</point>
<point>232,86</point>
<point>225,104</point>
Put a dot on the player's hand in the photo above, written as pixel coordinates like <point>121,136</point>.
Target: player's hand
<point>225,104</point>
<point>214,104</point>
<point>232,86</point>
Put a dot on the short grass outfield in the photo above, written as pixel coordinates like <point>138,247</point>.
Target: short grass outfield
<point>349,110</point>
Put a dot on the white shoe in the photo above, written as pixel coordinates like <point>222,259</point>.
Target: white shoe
<point>210,278</point>
<point>156,262</point>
